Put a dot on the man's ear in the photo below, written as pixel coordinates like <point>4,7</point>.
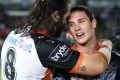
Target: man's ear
<point>56,16</point>
<point>94,23</point>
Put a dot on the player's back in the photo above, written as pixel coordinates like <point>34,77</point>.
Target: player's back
<point>20,60</point>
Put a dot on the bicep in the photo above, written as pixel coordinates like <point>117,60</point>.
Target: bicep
<point>92,65</point>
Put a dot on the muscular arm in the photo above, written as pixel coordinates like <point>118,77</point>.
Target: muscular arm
<point>98,61</point>
<point>55,54</point>
<point>92,64</point>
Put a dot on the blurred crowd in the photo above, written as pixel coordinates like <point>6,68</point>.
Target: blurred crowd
<point>4,28</point>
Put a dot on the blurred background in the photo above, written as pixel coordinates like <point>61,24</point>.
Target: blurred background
<point>107,14</point>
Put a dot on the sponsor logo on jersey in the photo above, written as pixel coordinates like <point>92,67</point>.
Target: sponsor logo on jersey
<point>60,53</point>
<point>58,77</point>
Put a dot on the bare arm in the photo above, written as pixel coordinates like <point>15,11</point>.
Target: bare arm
<point>92,64</point>
<point>55,54</point>
<point>96,63</point>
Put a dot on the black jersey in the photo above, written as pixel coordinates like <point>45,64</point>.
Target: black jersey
<point>55,54</point>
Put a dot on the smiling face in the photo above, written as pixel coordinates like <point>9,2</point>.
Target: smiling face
<point>81,28</point>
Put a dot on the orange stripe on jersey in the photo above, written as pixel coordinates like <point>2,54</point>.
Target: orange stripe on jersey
<point>79,62</point>
<point>47,75</point>
<point>73,47</point>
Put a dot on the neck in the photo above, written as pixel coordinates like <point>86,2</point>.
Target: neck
<point>89,47</point>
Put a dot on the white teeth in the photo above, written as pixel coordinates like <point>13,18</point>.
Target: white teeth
<point>80,34</point>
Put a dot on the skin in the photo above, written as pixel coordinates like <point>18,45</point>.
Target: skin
<point>82,30</point>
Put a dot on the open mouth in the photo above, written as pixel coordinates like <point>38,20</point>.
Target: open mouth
<point>80,35</point>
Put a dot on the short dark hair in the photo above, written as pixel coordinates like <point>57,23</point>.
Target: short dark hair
<point>87,10</point>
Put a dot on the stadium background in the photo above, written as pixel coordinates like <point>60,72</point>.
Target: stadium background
<point>107,14</point>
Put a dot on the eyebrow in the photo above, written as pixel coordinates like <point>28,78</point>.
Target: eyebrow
<point>78,19</point>
<point>82,19</point>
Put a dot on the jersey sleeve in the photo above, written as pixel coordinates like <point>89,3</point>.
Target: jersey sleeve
<point>55,54</point>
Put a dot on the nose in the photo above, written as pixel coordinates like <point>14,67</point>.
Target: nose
<point>77,28</point>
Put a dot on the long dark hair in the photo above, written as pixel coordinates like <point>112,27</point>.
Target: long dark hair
<point>40,16</point>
